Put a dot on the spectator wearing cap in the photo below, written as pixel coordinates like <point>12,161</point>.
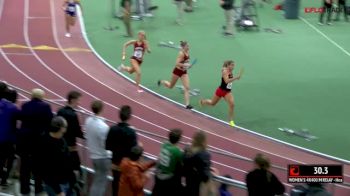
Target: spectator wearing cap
<point>56,170</point>
<point>169,167</point>
<point>36,116</point>
<point>8,119</point>
<point>69,113</point>
<point>261,181</point>
<point>96,134</point>
<point>120,139</point>
<point>133,177</point>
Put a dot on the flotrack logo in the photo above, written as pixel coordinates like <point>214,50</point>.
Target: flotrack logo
<point>321,10</point>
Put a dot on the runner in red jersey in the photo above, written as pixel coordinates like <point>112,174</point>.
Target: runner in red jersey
<point>180,71</point>
<point>140,46</point>
<point>224,90</point>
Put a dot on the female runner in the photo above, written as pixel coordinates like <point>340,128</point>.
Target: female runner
<point>140,46</point>
<point>224,90</point>
<point>69,6</point>
<point>180,71</point>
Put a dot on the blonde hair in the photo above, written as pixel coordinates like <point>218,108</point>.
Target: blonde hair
<point>262,162</point>
<point>183,44</point>
<point>143,33</point>
<point>227,63</point>
<point>199,141</point>
<point>38,93</point>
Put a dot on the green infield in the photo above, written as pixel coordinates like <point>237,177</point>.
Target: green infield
<point>297,79</point>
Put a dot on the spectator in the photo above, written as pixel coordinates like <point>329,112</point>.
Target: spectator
<point>120,139</point>
<point>126,5</point>
<point>261,181</point>
<point>96,134</point>
<point>317,189</point>
<point>342,8</point>
<point>180,11</point>
<point>36,116</point>
<point>73,130</point>
<point>197,164</point>
<point>189,5</point>
<point>227,5</point>
<point>168,172</point>
<point>12,96</point>
<point>223,188</point>
<point>311,189</point>
<point>327,8</point>
<point>3,89</point>
<point>133,178</point>
<point>8,120</point>
<point>57,171</point>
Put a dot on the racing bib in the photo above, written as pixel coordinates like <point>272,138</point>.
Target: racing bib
<point>229,86</point>
<point>138,53</point>
<point>71,8</point>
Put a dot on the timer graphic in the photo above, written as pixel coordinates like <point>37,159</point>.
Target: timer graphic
<point>315,173</point>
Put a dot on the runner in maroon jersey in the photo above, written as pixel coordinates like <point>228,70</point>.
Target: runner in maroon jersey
<point>180,71</point>
<point>224,90</point>
<point>140,46</point>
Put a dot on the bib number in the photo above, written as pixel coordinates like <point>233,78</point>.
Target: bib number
<point>229,85</point>
<point>71,8</point>
<point>138,54</point>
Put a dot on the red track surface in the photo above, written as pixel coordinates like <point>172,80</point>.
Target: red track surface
<point>37,22</point>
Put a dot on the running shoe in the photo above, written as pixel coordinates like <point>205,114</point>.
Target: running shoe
<point>189,107</point>
<point>68,35</point>
<point>140,91</point>
<point>159,83</point>
<point>232,123</point>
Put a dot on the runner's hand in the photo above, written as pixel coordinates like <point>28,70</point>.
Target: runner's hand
<point>61,194</point>
<point>123,57</point>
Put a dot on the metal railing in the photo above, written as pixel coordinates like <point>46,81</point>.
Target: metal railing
<point>221,179</point>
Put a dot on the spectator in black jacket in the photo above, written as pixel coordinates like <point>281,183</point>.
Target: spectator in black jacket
<point>261,181</point>
<point>8,120</point>
<point>227,5</point>
<point>56,170</point>
<point>73,130</point>
<point>3,89</point>
<point>36,116</point>
<point>197,164</point>
<point>120,139</point>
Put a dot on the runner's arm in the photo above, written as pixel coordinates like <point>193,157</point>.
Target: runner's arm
<point>125,46</point>
<point>180,58</point>
<point>148,49</point>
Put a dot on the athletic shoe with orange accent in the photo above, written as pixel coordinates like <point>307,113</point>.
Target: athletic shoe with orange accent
<point>232,123</point>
